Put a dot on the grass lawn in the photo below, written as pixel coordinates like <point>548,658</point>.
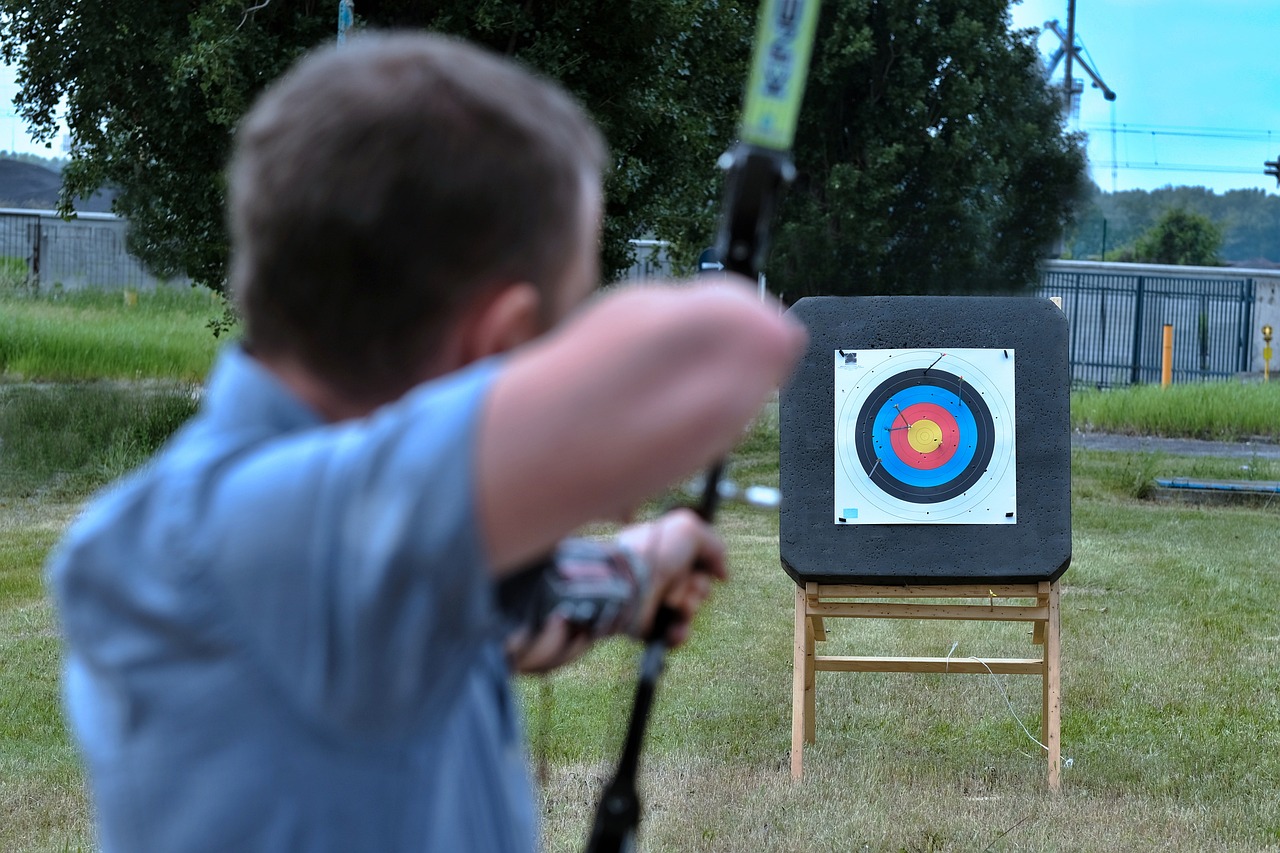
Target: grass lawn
<point>1212,410</point>
<point>42,797</point>
<point>1171,708</point>
<point>91,335</point>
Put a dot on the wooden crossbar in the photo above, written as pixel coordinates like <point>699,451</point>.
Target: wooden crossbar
<point>968,612</point>
<point>817,602</point>
<point>997,666</point>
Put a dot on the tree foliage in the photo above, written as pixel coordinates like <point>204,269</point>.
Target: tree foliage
<point>152,91</point>
<point>1180,237</point>
<point>1249,220</point>
<point>930,152</point>
<point>663,79</point>
<point>931,155</point>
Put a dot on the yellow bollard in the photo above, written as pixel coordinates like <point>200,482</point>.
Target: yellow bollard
<point>1266,353</point>
<point>1166,360</point>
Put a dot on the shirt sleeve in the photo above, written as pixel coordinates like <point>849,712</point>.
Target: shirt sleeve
<point>350,560</point>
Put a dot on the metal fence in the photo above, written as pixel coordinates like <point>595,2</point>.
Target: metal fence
<point>1117,322</point>
<point>85,252</point>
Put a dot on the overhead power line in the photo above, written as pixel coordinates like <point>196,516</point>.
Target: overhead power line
<point>1191,132</point>
<point>1177,167</point>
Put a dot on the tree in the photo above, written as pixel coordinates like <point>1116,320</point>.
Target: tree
<point>931,155</point>
<point>663,78</point>
<point>1181,237</point>
<point>152,90</point>
<point>1249,219</point>
<point>930,151</point>
<point>1124,216</point>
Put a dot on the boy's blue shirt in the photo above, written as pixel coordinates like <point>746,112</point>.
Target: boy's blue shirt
<point>281,634</point>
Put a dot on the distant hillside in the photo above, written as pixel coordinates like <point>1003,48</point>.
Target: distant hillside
<point>36,187</point>
<point>1249,219</point>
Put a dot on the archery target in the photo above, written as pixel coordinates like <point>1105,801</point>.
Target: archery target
<point>925,437</point>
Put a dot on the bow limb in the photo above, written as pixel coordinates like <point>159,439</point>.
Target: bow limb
<point>758,168</point>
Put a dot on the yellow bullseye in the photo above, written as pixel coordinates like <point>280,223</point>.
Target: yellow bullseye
<point>924,436</point>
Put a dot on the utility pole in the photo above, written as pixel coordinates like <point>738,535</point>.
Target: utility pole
<point>1069,84</point>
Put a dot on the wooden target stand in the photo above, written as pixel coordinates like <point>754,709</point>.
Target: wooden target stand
<point>815,603</point>
<point>906,567</point>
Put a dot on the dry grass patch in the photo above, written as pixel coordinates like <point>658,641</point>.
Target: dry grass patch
<point>700,804</point>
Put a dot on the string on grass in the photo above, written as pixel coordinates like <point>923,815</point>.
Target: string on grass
<point>1003,693</point>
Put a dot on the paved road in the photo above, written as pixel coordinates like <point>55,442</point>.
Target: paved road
<point>1175,446</point>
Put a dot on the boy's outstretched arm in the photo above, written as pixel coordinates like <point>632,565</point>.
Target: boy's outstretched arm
<point>679,556</point>
<point>641,388</point>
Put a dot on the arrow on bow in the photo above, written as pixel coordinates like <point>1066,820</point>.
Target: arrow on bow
<point>758,168</point>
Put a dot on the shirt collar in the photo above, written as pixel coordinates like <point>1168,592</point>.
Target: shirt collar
<point>241,391</point>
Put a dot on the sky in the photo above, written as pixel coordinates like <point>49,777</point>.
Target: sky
<point>1197,86</point>
<point>13,131</point>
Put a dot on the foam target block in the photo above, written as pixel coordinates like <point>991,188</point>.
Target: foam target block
<point>926,440</point>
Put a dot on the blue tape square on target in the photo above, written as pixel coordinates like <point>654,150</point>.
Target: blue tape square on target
<point>849,513</point>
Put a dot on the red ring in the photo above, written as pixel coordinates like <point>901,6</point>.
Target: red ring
<point>930,459</point>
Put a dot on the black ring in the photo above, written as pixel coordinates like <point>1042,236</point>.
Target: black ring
<point>950,383</point>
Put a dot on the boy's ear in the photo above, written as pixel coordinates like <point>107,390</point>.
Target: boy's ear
<point>505,320</point>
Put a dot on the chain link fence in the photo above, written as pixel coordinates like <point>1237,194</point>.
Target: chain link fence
<point>46,252</point>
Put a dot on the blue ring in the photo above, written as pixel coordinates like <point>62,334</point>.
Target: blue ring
<point>979,440</point>
<point>888,417</point>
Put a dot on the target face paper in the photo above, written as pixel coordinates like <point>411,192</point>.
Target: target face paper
<point>924,437</point>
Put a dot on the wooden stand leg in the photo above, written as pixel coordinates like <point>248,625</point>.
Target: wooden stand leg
<point>800,661</point>
<point>815,602</point>
<point>810,688</point>
<point>1052,716</point>
<point>813,632</point>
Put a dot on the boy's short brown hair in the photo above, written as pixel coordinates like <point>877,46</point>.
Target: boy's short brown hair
<point>380,184</point>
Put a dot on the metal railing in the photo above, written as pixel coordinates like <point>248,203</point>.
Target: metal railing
<point>1117,320</point>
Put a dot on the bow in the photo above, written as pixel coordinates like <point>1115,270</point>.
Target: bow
<point>757,168</point>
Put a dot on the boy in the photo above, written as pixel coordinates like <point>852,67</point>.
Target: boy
<point>289,631</point>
